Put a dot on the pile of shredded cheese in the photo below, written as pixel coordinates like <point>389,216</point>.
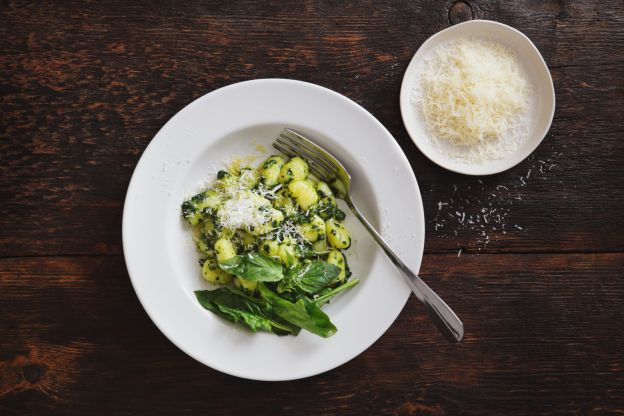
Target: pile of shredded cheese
<point>244,210</point>
<point>473,94</point>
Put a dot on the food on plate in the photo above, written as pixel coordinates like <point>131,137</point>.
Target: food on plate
<point>273,241</point>
<point>473,96</point>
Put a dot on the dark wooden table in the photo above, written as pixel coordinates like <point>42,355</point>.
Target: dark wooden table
<point>540,287</point>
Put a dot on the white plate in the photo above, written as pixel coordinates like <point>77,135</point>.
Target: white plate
<point>541,110</point>
<point>162,261</point>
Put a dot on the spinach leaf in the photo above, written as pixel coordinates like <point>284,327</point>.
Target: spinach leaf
<point>311,277</point>
<point>239,308</point>
<point>327,296</point>
<point>254,266</point>
<point>251,319</point>
<point>303,313</point>
<point>233,308</point>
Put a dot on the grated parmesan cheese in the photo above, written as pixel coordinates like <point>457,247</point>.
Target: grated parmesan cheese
<point>473,95</point>
<point>244,210</point>
<point>285,231</point>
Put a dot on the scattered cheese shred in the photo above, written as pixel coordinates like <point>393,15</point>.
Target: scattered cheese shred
<point>235,163</point>
<point>472,94</point>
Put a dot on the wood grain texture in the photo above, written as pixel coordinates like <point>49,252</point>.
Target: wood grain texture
<point>85,88</point>
<point>542,340</point>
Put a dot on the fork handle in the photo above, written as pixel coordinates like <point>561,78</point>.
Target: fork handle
<point>445,319</point>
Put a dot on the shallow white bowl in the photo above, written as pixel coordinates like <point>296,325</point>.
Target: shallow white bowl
<point>542,107</point>
<point>162,261</point>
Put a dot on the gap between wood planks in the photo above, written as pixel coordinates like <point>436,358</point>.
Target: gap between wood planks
<point>464,251</point>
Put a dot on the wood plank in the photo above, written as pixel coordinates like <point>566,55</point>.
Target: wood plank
<point>83,92</point>
<point>542,337</point>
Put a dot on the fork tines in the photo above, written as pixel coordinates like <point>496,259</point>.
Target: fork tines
<point>293,144</point>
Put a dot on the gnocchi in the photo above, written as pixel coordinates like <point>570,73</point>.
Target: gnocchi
<point>265,228</point>
<point>336,258</point>
<point>337,234</point>
<point>271,169</point>
<point>213,274</point>
<point>304,193</point>
<point>296,169</point>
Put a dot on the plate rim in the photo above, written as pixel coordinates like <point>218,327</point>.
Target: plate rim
<point>442,161</point>
<point>133,183</point>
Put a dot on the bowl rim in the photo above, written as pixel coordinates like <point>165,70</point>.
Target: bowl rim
<point>134,182</point>
<point>438,158</point>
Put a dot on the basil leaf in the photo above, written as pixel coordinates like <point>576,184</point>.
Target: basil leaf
<point>239,308</point>
<point>286,286</point>
<point>254,266</point>
<point>303,313</point>
<point>314,276</point>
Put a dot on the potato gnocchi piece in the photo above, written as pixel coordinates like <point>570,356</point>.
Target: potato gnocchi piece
<point>326,196</point>
<point>304,193</point>
<point>337,234</point>
<point>245,240</point>
<point>339,188</point>
<point>213,274</point>
<point>269,248</point>
<point>226,180</point>
<point>246,285</point>
<point>224,249</point>
<point>284,202</point>
<point>208,227</point>
<point>271,169</point>
<point>296,169</point>
<point>249,177</point>
<point>196,209</point>
<point>277,217</point>
<point>320,246</point>
<point>212,200</point>
<point>313,230</point>
<point>203,246</point>
<point>287,252</point>
<point>336,258</point>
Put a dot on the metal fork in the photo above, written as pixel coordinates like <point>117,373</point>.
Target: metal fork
<point>328,169</point>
